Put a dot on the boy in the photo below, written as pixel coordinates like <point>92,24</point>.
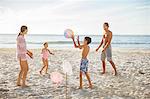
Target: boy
<point>106,51</point>
<point>84,60</point>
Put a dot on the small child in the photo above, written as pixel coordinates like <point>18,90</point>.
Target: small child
<point>45,53</point>
<point>84,60</point>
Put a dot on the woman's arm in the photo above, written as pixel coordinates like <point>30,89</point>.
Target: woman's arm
<point>30,54</point>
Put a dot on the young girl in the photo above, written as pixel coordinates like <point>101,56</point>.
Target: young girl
<point>45,54</point>
<point>22,53</point>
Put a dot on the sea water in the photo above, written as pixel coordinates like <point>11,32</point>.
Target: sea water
<point>59,41</point>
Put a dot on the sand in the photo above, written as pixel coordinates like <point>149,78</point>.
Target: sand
<point>132,81</point>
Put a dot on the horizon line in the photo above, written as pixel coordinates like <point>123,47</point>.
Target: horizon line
<point>83,34</point>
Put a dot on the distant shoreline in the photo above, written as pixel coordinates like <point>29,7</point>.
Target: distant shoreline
<point>80,35</point>
<point>59,41</point>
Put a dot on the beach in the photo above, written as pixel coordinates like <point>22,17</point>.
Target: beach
<point>132,81</point>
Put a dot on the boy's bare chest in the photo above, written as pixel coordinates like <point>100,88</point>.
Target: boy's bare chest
<point>85,51</point>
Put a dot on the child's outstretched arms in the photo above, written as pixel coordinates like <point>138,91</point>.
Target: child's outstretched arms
<point>50,52</point>
<point>100,45</point>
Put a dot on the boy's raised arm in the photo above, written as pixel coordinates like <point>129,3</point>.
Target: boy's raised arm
<point>80,46</point>
<point>78,41</point>
<point>75,45</point>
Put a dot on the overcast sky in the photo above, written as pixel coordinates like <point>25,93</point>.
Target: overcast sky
<point>82,16</point>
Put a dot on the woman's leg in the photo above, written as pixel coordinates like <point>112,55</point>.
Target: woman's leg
<point>25,71</point>
<point>20,74</point>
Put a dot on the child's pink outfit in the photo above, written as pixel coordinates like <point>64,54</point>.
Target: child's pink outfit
<point>45,54</point>
<point>21,48</point>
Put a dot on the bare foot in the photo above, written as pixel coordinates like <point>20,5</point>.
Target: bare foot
<point>24,86</point>
<point>90,86</point>
<point>80,87</point>
<point>102,72</point>
<point>115,74</point>
<point>18,84</point>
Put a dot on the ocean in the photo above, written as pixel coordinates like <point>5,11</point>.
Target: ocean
<point>59,41</point>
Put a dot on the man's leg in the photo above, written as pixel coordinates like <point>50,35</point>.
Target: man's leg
<point>104,67</point>
<point>103,57</point>
<point>114,67</point>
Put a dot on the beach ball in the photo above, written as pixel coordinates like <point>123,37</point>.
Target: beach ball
<point>56,77</point>
<point>68,33</point>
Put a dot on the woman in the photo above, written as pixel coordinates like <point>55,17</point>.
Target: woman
<point>22,53</point>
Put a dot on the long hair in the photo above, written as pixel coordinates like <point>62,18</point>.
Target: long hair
<point>22,29</point>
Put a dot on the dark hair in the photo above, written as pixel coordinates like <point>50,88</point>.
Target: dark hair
<point>45,43</point>
<point>106,23</point>
<point>88,39</point>
<point>23,28</point>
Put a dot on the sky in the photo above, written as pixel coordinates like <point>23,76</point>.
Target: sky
<point>84,17</point>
